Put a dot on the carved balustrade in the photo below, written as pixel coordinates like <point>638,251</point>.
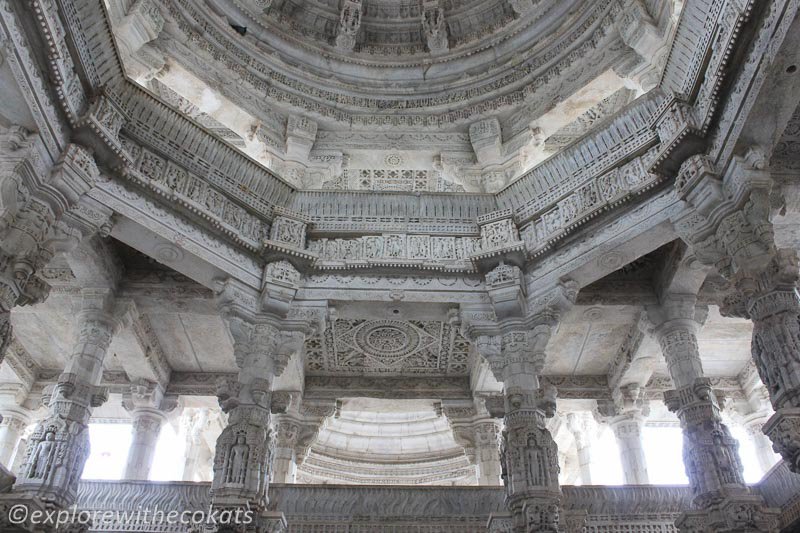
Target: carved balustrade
<point>310,508</point>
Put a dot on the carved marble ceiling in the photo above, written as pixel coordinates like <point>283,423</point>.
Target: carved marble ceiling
<point>388,347</point>
<point>468,94</point>
<point>390,27</point>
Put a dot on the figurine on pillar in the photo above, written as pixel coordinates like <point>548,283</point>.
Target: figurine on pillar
<point>287,433</point>
<point>245,450</point>
<point>433,26</point>
<point>59,446</point>
<point>528,453</point>
<point>349,24</point>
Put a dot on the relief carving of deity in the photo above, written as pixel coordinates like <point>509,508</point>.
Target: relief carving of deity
<point>394,246</point>
<point>533,463</point>
<point>236,464</point>
<point>43,457</point>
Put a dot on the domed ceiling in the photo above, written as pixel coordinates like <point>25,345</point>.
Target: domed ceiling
<point>409,95</point>
<point>387,442</point>
<point>388,27</point>
<point>298,47</point>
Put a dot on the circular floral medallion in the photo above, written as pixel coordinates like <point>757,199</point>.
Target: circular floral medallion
<point>387,340</point>
<point>393,160</point>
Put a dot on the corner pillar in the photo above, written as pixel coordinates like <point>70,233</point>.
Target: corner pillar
<point>58,449</point>
<point>728,224</point>
<point>722,501</point>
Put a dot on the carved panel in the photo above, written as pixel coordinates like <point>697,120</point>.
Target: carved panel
<point>388,347</point>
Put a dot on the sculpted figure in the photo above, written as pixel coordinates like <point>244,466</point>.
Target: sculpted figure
<point>435,31</point>
<point>532,462</point>
<point>43,456</point>
<point>237,462</point>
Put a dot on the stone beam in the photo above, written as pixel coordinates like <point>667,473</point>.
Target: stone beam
<point>189,249</point>
<point>322,387</point>
<point>151,362</point>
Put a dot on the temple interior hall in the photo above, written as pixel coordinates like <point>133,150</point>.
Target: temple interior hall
<point>399,266</point>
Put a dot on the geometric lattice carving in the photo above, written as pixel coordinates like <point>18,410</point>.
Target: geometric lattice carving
<point>388,347</point>
<point>392,180</point>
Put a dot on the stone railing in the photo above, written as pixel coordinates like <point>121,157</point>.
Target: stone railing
<point>781,489</point>
<point>351,509</point>
<point>627,134</point>
<point>360,212</point>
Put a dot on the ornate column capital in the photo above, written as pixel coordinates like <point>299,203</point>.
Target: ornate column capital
<point>675,323</point>
<point>146,395</point>
<point>727,220</point>
<point>581,427</point>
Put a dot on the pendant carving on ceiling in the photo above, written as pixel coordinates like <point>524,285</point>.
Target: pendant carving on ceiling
<point>388,347</point>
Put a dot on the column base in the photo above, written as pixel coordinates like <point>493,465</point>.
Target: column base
<point>783,429</point>
<point>735,514</point>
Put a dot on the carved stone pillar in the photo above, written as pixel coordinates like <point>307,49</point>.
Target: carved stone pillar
<point>773,303</point>
<point>59,446</point>
<point>581,430</point>
<point>193,424</point>
<point>710,453</point>
<point>528,453</point>
<point>626,415</point>
<point>728,224</point>
<point>763,446</point>
<point>15,420</point>
<point>146,403</point>
<point>488,469</point>
<point>479,435</point>
<point>627,429</point>
<point>753,413</point>
<point>146,428</point>
<point>245,449</point>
